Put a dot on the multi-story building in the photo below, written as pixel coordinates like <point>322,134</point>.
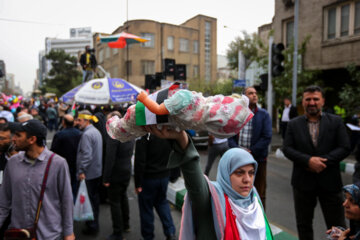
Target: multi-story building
<point>79,38</point>
<point>10,78</point>
<point>2,75</point>
<point>334,28</point>
<point>41,72</point>
<point>192,43</point>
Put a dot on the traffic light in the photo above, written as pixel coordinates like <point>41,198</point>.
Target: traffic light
<point>150,81</point>
<point>264,81</point>
<point>180,72</point>
<point>277,59</point>
<point>169,66</point>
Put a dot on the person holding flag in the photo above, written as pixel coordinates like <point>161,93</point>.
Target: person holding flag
<point>228,208</point>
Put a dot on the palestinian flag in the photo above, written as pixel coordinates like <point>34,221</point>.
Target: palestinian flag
<point>143,116</point>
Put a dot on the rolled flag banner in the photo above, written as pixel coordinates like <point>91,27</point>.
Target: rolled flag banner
<point>144,116</point>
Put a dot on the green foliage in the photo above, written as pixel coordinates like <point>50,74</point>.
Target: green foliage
<point>251,47</point>
<point>282,85</point>
<point>350,93</point>
<point>255,50</point>
<point>64,74</point>
<point>212,88</point>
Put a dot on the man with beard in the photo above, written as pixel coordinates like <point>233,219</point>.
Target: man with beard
<point>316,142</point>
<point>6,151</point>
<point>89,165</point>
<point>21,186</point>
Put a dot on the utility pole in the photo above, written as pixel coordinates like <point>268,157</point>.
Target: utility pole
<point>127,46</point>
<point>269,89</point>
<point>294,79</point>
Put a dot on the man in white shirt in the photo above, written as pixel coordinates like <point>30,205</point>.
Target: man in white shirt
<point>288,113</point>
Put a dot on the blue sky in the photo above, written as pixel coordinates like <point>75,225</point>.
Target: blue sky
<point>21,42</point>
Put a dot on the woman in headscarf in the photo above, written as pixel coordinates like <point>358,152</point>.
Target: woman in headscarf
<point>228,208</point>
<point>352,212</point>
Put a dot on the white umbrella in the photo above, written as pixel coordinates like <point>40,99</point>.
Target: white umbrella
<point>107,91</point>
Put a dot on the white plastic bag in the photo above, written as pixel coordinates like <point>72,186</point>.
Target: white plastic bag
<point>280,154</point>
<point>82,209</point>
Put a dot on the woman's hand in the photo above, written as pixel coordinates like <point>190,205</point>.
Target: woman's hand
<point>337,233</point>
<point>168,133</point>
<point>344,235</point>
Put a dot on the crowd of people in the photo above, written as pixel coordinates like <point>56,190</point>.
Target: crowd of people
<point>39,184</point>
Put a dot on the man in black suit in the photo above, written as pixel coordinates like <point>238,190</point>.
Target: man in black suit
<point>288,113</point>
<point>65,143</point>
<point>316,142</point>
<point>116,177</point>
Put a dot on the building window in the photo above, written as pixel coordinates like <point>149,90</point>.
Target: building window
<point>101,55</point>
<point>115,72</point>
<point>148,67</point>
<point>345,14</point>
<point>170,43</point>
<point>184,45</point>
<point>150,37</point>
<point>207,51</point>
<point>107,53</point>
<point>195,71</point>
<point>128,67</point>
<point>357,18</point>
<point>115,51</point>
<point>331,23</point>
<point>289,32</point>
<point>195,46</point>
<point>342,20</point>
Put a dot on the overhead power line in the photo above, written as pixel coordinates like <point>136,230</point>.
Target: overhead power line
<point>26,21</point>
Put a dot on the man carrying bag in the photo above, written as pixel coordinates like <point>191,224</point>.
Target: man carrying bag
<point>36,187</point>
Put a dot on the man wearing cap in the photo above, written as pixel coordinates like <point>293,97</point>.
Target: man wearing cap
<point>89,164</point>
<point>22,182</point>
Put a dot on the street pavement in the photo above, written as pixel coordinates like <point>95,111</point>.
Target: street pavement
<point>280,208</point>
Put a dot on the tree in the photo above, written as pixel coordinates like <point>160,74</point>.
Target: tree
<point>251,47</point>
<point>63,75</point>
<point>282,85</point>
<point>350,93</point>
<point>212,88</point>
<point>255,50</point>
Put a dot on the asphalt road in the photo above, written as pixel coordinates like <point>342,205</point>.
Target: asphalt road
<point>280,208</point>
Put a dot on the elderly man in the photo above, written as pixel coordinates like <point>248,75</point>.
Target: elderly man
<point>89,164</point>
<point>22,179</point>
<point>65,143</point>
<point>23,117</point>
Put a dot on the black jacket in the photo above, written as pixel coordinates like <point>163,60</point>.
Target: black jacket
<point>292,113</point>
<point>117,166</point>
<point>3,161</point>
<point>151,158</point>
<point>333,144</point>
<point>65,143</point>
<point>93,62</point>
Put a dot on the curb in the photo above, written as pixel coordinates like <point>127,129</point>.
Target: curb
<point>347,167</point>
<point>176,192</point>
